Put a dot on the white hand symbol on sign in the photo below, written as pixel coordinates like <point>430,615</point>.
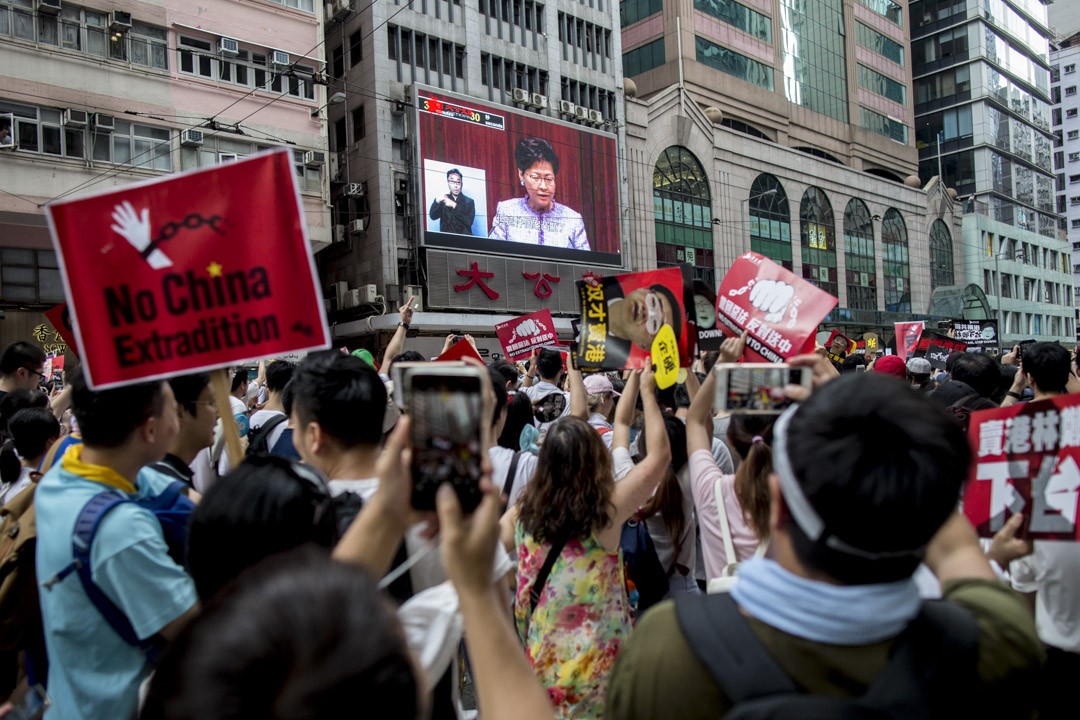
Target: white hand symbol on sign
<point>771,297</point>
<point>135,228</point>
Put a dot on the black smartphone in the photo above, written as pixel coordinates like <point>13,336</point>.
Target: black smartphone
<point>446,409</point>
<point>1021,346</point>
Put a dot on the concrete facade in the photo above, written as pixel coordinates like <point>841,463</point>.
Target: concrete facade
<point>1064,76</point>
<point>149,86</point>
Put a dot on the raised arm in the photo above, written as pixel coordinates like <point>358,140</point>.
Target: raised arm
<point>530,375</point>
<point>635,489</point>
<point>397,343</point>
<point>624,411</point>
<point>579,396</point>
<point>692,385</point>
<point>699,430</point>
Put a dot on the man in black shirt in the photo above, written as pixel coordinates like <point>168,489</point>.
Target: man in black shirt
<point>455,211</point>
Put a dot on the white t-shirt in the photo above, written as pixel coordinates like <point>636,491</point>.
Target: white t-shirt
<point>501,458</point>
<point>258,419</point>
<point>1053,572</point>
<point>16,487</point>
<point>364,488</point>
<point>598,421</point>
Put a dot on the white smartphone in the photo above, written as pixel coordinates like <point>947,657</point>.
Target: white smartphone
<point>756,388</point>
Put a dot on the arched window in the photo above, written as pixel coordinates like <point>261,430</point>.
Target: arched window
<point>818,233</point>
<point>681,208</point>
<point>770,220</point>
<point>894,256</point>
<point>859,256</point>
<point>941,255</point>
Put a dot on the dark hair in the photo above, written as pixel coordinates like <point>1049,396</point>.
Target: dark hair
<point>32,429</point>
<point>240,378</point>
<point>980,371</point>
<point>519,413</point>
<point>549,363</point>
<point>961,410</point>
<point>21,399</point>
<point>851,362</point>
<point>570,494</point>
<point>107,418</point>
<point>263,507</point>
<point>1008,374</point>
<point>710,360</point>
<point>882,467</point>
<point>499,388</point>
<point>187,389</point>
<point>954,357</point>
<point>531,150</point>
<point>300,637</point>
<point>287,398</point>
<point>454,171</point>
<point>343,394</point>
<point>408,356</point>
<point>1048,365</point>
<point>752,475</point>
<point>278,375</point>
<point>507,372</point>
<point>668,498</point>
<point>21,354</point>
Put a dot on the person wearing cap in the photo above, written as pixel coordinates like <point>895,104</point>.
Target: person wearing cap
<point>918,374</point>
<point>890,365</point>
<point>601,399</point>
<point>865,481</point>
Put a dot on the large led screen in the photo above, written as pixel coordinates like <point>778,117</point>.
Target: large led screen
<point>499,180</point>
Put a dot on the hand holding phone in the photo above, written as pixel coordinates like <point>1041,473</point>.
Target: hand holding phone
<point>756,388</point>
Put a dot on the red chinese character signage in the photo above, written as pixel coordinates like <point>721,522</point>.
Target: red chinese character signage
<point>543,288</point>
<point>518,337</point>
<point>476,277</point>
<point>1026,461</point>
<point>189,272</point>
<point>778,310</point>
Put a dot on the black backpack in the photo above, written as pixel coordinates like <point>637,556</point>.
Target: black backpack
<point>932,672</point>
<point>643,569</point>
<point>259,438</point>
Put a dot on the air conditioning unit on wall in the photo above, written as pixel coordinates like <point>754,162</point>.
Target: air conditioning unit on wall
<point>228,47</point>
<point>520,95</point>
<point>567,108</point>
<point>416,292</point>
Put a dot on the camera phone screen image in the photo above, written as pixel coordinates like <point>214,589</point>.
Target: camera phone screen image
<point>758,389</point>
<point>445,412</point>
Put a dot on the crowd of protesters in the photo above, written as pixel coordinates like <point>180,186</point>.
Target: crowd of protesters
<point>635,553</point>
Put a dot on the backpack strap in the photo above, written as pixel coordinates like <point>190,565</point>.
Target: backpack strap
<point>261,434</point>
<point>725,527</point>
<point>542,577</point>
<point>722,639</point>
<point>508,484</point>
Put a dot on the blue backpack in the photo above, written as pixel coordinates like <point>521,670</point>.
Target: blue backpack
<point>173,510</point>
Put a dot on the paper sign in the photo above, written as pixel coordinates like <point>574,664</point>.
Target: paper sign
<point>976,333</point>
<point>937,348</point>
<point>189,272</point>
<point>852,345</point>
<point>458,351</point>
<point>518,337</point>
<point>665,357</point>
<point>60,318</point>
<point>710,337</point>
<point>1027,459</point>
<point>621,316</point>
<point>779,310</point>
<point>907,336</point>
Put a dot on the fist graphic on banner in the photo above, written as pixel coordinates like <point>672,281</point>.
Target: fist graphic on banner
<point>771,297</point>
<point>135,228</point>
<point>528,328</point>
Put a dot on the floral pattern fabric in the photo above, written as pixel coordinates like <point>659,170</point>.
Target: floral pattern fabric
<point>580,622</point>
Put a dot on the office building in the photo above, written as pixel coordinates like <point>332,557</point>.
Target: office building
<point>1064,80</point>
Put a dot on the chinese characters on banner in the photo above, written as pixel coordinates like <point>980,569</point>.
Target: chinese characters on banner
<point>1026,461</point>
<point>779,310</point>
<point>518,337</point>
<point>907,336</point>
<point>937,348</point>
<point>980,335</point>
<point>176,274</point>
<point>622,315</point>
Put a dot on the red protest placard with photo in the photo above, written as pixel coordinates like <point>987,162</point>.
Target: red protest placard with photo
<point>778,309</point>
<point>907,336</point>
<point>1026,460</point>
<point>189,272</point>
<point>518,337</point>
<point>622,314</point>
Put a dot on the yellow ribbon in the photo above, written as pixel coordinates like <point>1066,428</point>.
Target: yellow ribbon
<point>72,462</point>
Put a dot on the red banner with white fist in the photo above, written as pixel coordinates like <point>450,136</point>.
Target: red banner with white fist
<point>1027,460</point>
<point>519,336</point>
<point>778,310</point>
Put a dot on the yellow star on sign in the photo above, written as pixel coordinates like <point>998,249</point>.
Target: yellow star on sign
<point>214,269</point>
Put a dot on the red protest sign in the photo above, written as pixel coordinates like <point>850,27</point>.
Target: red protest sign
<point>458,351</point>
<point>1026,461</point>
<point>937,348</point>
<point>189,272</point>
<point>518,337</point>
<point>907,336</point>
<point>778,309</point>
<point>60,318</point>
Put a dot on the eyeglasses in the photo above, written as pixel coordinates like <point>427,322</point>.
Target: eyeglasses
<point>538,179</point>
<point>39,374</point>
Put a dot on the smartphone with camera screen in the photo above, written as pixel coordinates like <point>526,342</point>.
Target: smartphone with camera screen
<point>1022,346</point>
<point>446,412</point>
<point>756,388</point>
<point>399,371</point>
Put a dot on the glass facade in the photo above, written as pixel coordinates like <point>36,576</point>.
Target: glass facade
<point>733,63</point>
<point>815,58</point>
<point>630,11</point>
<point>894,256</point>
<point>875,82</point>
<point>886,9</point>
<point>817,229</point>
<point>682,213</point>
<point>770,220</point>
<point>882,45</point>
<point>883,125</point>
<point>941,255</point>
<point>859,257</point>
<point>644,58</point>
<point>739,16</point>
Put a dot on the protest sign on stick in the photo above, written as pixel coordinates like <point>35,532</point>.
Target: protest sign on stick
<point>519,336</point>
<point>907,336</point>
<point>1026,461</point>
<point>937,348</point>
<point>778,310</point>
<point>980,335</point>
<point>189,272</point>
<point>621,316</point>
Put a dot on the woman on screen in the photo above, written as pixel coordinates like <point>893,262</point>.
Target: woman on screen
<point>536,218</point>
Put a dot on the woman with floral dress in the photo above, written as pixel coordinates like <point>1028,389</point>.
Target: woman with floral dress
<point>573,623</point>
